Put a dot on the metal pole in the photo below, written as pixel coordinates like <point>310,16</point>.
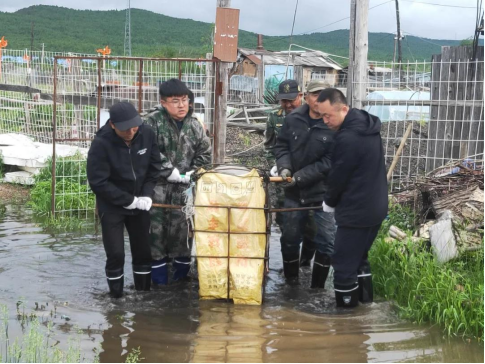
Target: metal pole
<point>140,90</point>
<point>54,126</point>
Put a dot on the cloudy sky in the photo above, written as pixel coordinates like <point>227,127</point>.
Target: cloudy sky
<point>437,19</point>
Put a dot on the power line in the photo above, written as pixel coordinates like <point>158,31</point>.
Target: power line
<point>444,5</point>
<point>409,48</point>
<point>423,39</point>
<point>294,18</point>
<point>327,25</point>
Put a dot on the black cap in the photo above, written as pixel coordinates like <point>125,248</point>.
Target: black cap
<point>288,90</point>
<point>124,116</point>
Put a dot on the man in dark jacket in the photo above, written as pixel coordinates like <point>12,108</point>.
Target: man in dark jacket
<point>357,190</point>
<point>123,166</point>
<point>303,152</point>
<point>290,98</point>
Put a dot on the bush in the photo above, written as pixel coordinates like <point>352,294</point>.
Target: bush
<point>70,196</point>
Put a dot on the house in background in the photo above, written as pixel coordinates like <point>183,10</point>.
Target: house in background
<point>275,67</point>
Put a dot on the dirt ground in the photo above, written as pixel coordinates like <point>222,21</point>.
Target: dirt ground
<point>11,193</point>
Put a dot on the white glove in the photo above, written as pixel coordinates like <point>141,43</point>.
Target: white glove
<point>186,178</point>
<point>144,203</point>
<point>327,208</point>
<point>274,172</point>
<point>175,176</point>
<point>133,205</point>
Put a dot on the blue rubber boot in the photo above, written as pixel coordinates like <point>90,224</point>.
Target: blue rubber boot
<point>160,271</point>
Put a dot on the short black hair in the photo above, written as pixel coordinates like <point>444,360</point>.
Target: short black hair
<point>191,97</point>
<point>333,95</point>
<point>173,87</point>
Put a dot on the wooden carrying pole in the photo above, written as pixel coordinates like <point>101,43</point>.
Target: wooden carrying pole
<point>399,150</point>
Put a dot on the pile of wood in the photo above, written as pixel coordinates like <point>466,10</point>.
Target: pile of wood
<point>449,206</point>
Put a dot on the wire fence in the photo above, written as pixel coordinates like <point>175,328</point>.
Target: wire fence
<point>435,109</point>
<point>84,87</point>
<point>439,102</point>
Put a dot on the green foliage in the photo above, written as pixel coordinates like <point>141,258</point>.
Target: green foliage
<point>69,30</point>
<point>449,294</point>
<point>69,196</point>
<point>35,344</point>
<point>72,190</point>
<point>71,168</point>
<point>134,356</point>
<point>400,216</point>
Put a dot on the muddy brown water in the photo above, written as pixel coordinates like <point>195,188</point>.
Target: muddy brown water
<point>65,274</point>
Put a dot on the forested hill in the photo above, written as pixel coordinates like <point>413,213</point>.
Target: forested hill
<point>83,31</point>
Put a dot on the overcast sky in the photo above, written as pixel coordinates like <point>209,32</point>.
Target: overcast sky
<point>275,17</point>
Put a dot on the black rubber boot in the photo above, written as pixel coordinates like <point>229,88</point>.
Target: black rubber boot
<point>116,281</point>
<point>291,266</point>
<point>321,266</point>
<point>366,293</point>
<point>307,253</point>
<point>347,296</point>
<point>181,268</point>
<point>142,275</point>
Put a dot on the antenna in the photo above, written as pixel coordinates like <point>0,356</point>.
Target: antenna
<point>127,51</point>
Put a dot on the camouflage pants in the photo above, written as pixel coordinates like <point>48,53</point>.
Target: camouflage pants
<point>169,228</point>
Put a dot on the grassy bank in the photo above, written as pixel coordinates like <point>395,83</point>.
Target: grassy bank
<point>450,294</point>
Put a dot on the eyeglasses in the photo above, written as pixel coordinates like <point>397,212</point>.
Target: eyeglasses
<point>176,102</point>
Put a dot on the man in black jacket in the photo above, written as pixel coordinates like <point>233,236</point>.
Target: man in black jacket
<point>357,190</point>
<point>303,152</point>
<point>123,166</point>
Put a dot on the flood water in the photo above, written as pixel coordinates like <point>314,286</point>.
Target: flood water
<point>65,275</point>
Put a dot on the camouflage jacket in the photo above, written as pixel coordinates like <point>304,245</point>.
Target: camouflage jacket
<point>186,149</point>
<point>273,126</point>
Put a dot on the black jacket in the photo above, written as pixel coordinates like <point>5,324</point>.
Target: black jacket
<point>306,152</point>
<point>357,183</point>
<point>117,173</point>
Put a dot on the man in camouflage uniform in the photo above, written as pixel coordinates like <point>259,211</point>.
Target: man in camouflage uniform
<point>290,98</point>
<point>184,147</point>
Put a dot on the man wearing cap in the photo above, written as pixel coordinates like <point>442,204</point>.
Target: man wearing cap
<point>290,97</point>
<point>123,166</point>
<point>303,152</point>
<point>184,147</point>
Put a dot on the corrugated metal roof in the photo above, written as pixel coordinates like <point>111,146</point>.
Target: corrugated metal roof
<point>300,58</point>
<point>254,59</point>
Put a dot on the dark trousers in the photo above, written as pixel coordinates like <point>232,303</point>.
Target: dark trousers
<point>138,227</point>
<point>350,252</point>
<point>294,227</point>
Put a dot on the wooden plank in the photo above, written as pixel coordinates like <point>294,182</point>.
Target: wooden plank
<point>226,34</point>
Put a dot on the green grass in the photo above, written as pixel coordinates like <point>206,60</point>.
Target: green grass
<point>35,345</point>
<point>425,291</point>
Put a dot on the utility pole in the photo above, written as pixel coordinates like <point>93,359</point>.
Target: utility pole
<point>31,39</point>
<point>220,121</point>
<point>127,48</point>
<point>399,51</point>
<point>358,49</point>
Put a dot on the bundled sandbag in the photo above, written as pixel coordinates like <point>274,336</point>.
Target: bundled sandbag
<point>219,233</point>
